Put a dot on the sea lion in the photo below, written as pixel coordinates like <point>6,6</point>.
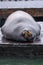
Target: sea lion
<point>21,26</point>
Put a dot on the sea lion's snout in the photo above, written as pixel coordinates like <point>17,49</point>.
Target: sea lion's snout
<point>28,35</point>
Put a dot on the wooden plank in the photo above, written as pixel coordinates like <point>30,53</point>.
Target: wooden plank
<point>20,4</point>
<point>35,12</point>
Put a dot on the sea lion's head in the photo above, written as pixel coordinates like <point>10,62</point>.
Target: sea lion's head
<point>29,35</point>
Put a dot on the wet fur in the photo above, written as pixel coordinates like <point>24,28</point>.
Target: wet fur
<point>17,23</point>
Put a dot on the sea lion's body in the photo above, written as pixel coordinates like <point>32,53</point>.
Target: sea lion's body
<point>19,22</point>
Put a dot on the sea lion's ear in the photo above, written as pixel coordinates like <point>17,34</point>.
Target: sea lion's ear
<point>27,34</point>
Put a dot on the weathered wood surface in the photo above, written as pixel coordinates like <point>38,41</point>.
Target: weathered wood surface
<point>35,12</point>
<point>21,4</point>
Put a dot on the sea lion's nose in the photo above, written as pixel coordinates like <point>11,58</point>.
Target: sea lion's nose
<point>27,34</point>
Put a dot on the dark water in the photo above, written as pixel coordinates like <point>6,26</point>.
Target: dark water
<point>20,61</point>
